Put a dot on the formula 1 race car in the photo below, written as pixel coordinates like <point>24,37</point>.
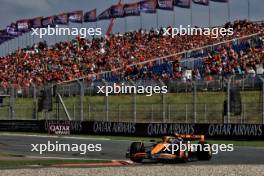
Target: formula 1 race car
<point>180,147</point>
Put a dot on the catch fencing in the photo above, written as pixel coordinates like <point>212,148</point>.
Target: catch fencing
<point>186,102</point>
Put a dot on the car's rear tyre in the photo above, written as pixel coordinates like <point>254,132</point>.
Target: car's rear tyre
<point>136,147</point>
<point>204,155</point>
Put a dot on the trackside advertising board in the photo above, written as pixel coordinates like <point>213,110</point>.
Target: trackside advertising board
<point>220,131</point>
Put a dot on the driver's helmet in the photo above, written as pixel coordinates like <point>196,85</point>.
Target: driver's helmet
<point>165,139</point>
<point>176,140</point>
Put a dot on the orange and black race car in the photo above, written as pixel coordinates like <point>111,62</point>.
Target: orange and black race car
<point>180,147</point>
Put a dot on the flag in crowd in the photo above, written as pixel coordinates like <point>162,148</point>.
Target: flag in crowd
<point>106,14</point>
<point>23,25</point>
<point>2,32</point>
<point>36,22</point>
<point>4,36</point>
<point>12,30</point>
<point>76,16</point>
<point>148,6</point>
<point>117,11</point>
<point>90,16</point>
<point>131,9</point>
<point>182,3</point>
<point>202,2</point>
<point>62,19</point>
<point>165,4</point>
<point>48,21</point>
<point>219,0</point>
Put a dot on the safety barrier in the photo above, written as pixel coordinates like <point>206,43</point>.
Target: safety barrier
<point>214,131</point>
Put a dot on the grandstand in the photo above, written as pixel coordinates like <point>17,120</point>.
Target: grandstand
<point>141,58</point>
<point>137,55</point>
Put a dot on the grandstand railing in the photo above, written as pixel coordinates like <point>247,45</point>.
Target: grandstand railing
<point>71,88</point>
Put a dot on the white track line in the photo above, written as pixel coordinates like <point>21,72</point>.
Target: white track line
<point>53,136</point>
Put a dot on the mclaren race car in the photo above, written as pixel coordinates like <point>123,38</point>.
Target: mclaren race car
<point>180,147</point>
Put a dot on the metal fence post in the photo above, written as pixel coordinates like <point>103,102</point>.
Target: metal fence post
<point>135,107</point>
<point>163,99</point>
<point>106,107</point>
<point>262,80</point>
<point>194,101</point>
<point>186,113</point>
<point>263,102</point>
<point>163,107</point>
<point>11,104</point>
<point>228,98</point>
<point>89,111</point>
<point>244,113</point>
<point>106,103</point>
<point>134,103</point>
<point>152,113</point>
<point>74,112</point>
<point>81,98</point>
<point>241,116</point>
<point>57,105</point>
<point>35,103</point>
<point>243,82</point>
<point>169,109</point>
<point>205,113</point>
<point>119,112</point>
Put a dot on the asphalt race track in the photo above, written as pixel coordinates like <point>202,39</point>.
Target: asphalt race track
<point>113,150</point>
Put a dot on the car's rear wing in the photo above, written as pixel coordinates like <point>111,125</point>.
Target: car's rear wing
<point>191,137</point>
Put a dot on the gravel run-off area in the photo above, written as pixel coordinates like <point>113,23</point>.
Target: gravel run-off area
<point>160,170</point>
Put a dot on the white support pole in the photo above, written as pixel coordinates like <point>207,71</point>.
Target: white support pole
<point>134,103</point>
<point>228,11</point>
<point>195,101</point>
<point>81,99</point>
<point>163,101</point>
<point>157,19</point>
<point>174,18</point>
<point>262,80</point>
<point>106,103</point>
<point>64,107</point>
<point>191,15</point>
<point>248,10</point>
<point>209,16</point>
